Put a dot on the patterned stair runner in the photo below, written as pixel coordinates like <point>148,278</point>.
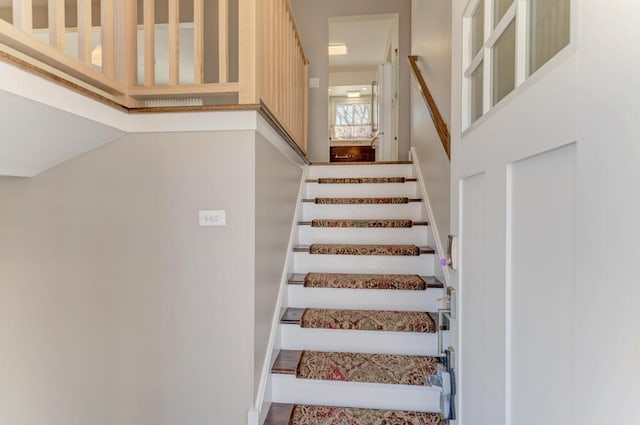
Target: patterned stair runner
<point>361,180</point>
<point>352,249</point>
<point>368,320</point>
<point>363,201</point>
<point>407,282</point>
<point>363,367</point>
<point>300,414</point>
<point>362,223</point>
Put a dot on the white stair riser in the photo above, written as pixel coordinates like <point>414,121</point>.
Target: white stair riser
<point>412,211</point>
<point>294,337</point>
<point>289,389</point>
<point>417,235</point>
<point>421,265</point>
<point>365,299</point>
<point>387,170</point>
<point>409,189</point>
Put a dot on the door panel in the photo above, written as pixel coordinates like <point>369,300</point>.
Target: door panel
<point>472,307</point>
<point>541,285</point>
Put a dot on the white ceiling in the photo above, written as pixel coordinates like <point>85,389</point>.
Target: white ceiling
<point>36,136</point>
<point>367,38</point>
<point>341,91</point>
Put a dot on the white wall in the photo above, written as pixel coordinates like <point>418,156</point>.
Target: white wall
<point>116,307</point>
<point>352,78</point>
<point>312,18</point>
<point>277,181</point>
<point>431,40</point>
<point>559,217</point>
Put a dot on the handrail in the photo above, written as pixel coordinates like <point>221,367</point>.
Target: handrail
<point>438,121</point>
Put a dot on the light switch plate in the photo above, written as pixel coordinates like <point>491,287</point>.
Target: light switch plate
<point>212,218</point>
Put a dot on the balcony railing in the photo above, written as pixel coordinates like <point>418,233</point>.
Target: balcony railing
<point>185,53</point>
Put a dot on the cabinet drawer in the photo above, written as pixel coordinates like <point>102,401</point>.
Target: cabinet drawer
<point>352,154</point>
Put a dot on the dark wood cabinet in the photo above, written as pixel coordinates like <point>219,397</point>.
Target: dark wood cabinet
<point>352,154</point>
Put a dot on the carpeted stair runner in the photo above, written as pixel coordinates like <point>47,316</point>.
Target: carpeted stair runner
<point>353,249</point>
<point>363,367</point>
<point>363,223</point>
<point>363,201</point>
<point>302,414</point>
<point>405,282</point>
<point>360,180</point>
<point>368,320</point>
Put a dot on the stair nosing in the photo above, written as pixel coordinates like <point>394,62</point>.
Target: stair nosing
<point>406,180</point>
<point>432,282</point>
<point>410,200</point>
<point>424,249</point>
<point>288,357</point>
<point>413,223</point>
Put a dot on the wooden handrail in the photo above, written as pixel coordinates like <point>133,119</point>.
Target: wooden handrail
<point>438,121</point>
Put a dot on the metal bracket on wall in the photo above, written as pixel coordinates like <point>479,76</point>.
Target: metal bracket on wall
<point>444,324</point>
<point>453,301</point>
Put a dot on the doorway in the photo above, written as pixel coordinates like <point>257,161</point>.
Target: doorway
<point>363,88</point>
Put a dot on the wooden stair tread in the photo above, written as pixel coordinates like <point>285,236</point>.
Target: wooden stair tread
<point>365,249</point>
<point>279,414</point>
<point>287,362</point>
<point>299,279</point>
<point>350,223</point>
<point>358,319</point>
<point>293,414</point>
<point>362,180</point>
<point>379,368</point>
<point>362,201</point>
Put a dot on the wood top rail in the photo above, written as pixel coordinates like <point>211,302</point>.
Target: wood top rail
<point>438,121</point>
<point>24,43</point>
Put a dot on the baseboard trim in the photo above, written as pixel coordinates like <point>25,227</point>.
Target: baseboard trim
<point>258,413</point>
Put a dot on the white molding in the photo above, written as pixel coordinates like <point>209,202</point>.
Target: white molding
<point>477,60</point>
<point>497,32</point>
<point>193,121</point>
<point>257,414</point>
<point>440,251</point>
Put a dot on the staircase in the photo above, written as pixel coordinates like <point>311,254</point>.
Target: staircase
<point>360,336</point>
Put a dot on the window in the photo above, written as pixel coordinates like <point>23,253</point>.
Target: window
<point>353,114</point>
<point>505,42</point>
<point>549,28</point>
<point>352,121</point>
<point>504,64</point>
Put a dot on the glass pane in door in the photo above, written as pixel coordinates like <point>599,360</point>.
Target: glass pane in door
<point>549,30</point>
<point>504,64</point>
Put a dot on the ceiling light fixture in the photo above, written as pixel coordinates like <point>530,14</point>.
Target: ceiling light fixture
<point>353,94</point>
<point>338,49</point>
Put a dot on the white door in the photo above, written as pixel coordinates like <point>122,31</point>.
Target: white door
<point>545,191</point>
<point>385,149</point>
